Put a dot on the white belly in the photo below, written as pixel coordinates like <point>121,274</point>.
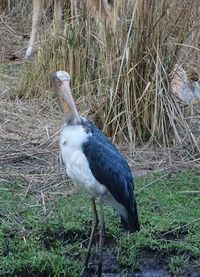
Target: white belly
<point>77,165</point>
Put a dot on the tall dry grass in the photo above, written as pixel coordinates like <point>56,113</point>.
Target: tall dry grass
<point>120,73</point>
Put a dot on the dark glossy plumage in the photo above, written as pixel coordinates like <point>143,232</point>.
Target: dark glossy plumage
<point>111,169</point>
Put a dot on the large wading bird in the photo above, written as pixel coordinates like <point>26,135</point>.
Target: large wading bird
<point>95,164</point>
<point>103,6</point>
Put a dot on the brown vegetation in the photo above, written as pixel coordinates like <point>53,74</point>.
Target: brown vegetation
<point>121,74</point>
<point>103,7</point>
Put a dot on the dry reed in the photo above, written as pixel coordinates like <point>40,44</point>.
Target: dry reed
<point>122,72</point>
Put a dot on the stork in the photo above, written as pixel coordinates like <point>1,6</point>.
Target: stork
<point>94,163</point>
<point>104,6</point>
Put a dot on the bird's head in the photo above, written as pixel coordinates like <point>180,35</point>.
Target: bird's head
<point>61,82</point>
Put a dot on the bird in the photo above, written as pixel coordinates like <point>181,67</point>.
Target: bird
<point>95,164</point>
<point>105,6</point>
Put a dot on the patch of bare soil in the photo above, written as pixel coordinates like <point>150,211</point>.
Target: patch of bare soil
<point>155,264</point>
<point>151,263</point>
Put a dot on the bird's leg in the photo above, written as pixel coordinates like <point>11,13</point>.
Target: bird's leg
<point>102,238</point>
<point>95,222</point>
<point>37,14</point>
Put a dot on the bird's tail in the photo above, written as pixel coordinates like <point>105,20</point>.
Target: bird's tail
<point>132,223</point>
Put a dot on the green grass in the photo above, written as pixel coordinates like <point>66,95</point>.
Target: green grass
<point>52,238</point>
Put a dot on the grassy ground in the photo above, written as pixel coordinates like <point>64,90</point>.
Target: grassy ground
<point>47,234</point>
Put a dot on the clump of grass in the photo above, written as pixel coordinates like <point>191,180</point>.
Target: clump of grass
<point>122,72</point>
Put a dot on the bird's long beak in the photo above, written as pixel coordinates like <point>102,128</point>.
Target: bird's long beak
<point>61,81</point>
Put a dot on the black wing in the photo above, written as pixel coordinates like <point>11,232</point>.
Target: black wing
<point>109,167</point>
